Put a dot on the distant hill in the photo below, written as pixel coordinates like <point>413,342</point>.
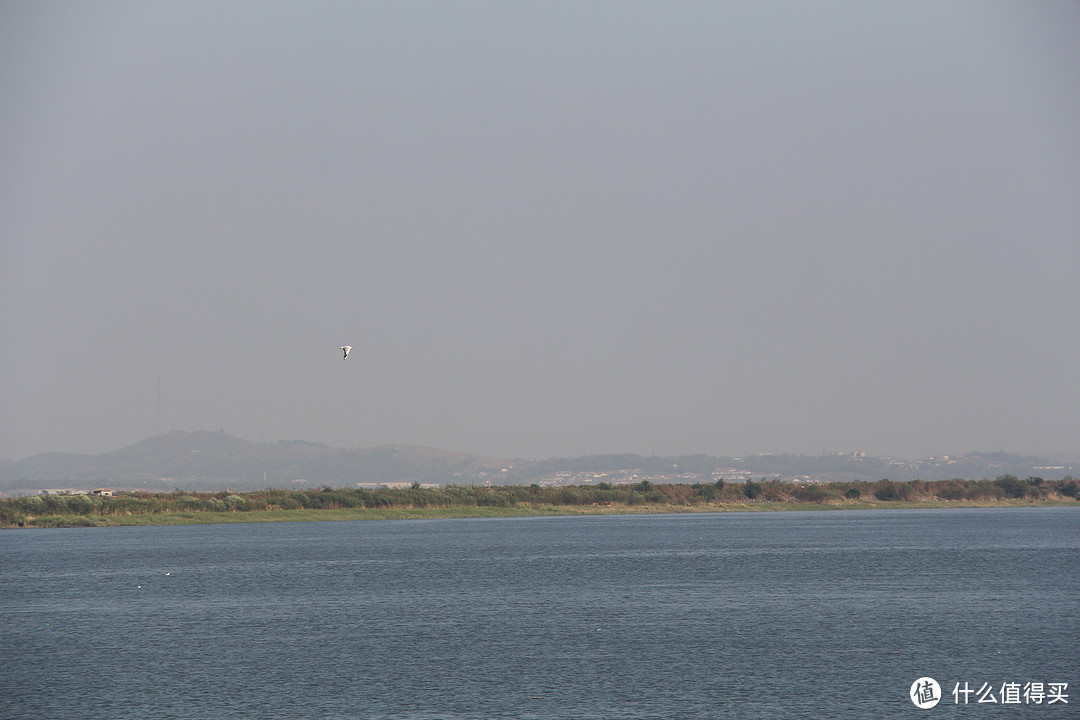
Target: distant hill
<point>216,461</point>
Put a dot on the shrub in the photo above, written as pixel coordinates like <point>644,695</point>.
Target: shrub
<point>774,491</point>
<point>495,499</point>
<point>887,490</point>
<point>655,497</point>
<point>1012,486</point>
<point>986,490</point>
<point>236,503</point>
<point>11,515</point>
<point>705,492</point>
<point>810,493</point>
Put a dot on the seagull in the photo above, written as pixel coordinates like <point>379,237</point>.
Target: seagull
<point>345,349</point>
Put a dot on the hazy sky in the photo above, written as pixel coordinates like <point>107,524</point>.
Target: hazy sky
<point>546,228</point>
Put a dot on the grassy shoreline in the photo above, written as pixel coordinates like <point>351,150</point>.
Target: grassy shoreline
<point>539,510</point>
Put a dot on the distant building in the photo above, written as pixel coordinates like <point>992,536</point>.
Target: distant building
<point>103,492</point>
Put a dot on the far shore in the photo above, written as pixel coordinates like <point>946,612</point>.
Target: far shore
<point>461,512</point>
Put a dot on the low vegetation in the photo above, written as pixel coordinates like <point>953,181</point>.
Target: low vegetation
<point>144,508</point>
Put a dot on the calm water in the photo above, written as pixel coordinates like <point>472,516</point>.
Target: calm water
<point>770,615</point>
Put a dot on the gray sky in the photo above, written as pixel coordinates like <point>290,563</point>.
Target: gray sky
<point>547,228</point>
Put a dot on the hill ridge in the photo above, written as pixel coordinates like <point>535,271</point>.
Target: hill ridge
<point>214,460</point>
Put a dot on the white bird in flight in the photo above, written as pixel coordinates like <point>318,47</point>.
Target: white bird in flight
<point>346,349</point>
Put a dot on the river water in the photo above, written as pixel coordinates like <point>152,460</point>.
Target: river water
<point>740,615</point>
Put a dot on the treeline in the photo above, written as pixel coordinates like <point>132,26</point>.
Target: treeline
<point>37,510</point>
